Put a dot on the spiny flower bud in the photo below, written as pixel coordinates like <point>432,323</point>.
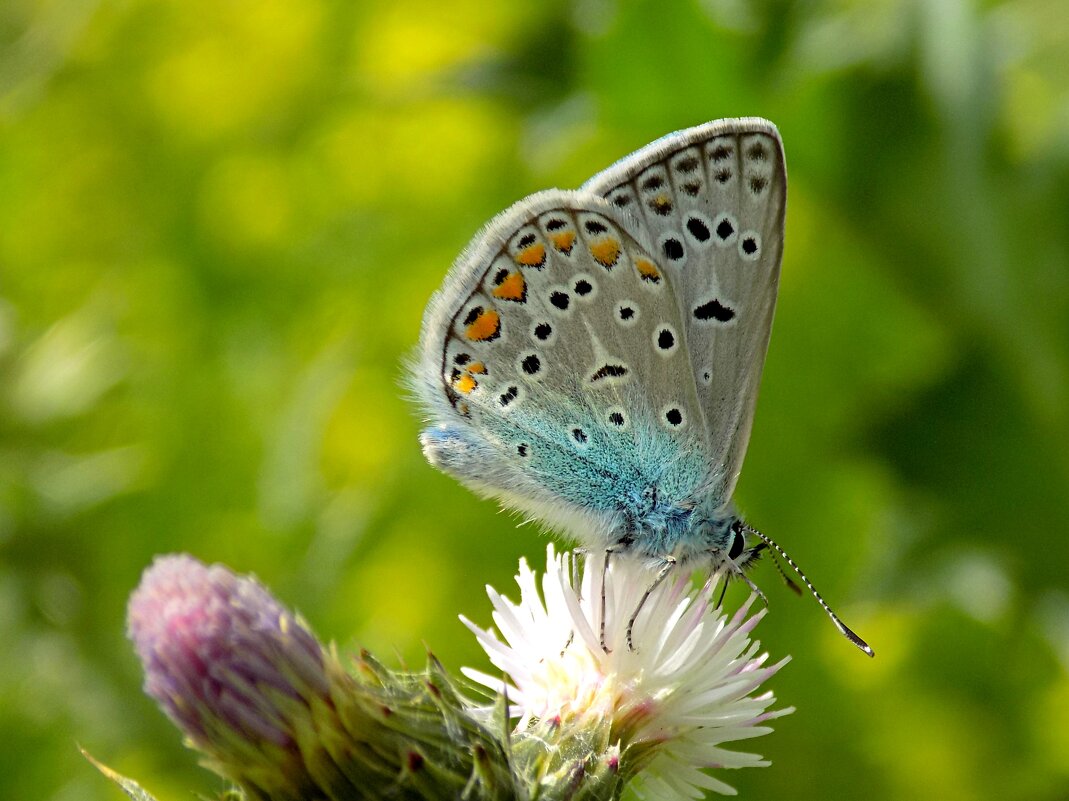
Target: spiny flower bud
<point>240,675</point>
<point>274,711</point>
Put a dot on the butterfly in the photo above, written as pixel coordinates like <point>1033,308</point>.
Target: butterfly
<point>593,357</point>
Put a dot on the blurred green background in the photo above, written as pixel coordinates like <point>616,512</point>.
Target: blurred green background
<point>221,221</point>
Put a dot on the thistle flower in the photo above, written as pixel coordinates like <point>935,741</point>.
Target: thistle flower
<point>669,704</point>
<point>245,680</point>
<point>274,711</point>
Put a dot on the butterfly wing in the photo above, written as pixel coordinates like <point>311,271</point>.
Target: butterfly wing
<point>554,368</point>
<point>712,200</point>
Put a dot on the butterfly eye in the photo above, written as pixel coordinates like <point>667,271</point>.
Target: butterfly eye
<point>737,545</point>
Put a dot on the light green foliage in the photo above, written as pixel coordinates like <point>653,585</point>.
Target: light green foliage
<point>220,223</point>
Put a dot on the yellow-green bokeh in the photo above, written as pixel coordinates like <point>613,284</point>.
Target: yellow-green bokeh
<point>220,224</point>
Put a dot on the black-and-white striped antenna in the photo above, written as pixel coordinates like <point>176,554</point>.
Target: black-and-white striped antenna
<point>845,630</point>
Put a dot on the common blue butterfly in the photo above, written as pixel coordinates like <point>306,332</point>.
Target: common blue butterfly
<point>593,357</point>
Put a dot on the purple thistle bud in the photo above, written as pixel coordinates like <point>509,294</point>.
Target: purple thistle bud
<point>274,711</point>
<point>237,672</point>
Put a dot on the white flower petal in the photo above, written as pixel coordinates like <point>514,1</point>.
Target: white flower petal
<point>685,688</point>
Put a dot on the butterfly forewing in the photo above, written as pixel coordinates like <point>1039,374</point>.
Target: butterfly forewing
<point>712,200</point>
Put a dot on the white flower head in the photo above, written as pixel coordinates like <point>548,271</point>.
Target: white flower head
<point>685,689</point>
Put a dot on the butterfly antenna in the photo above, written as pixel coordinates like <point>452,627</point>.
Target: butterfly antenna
<point>842,627</point>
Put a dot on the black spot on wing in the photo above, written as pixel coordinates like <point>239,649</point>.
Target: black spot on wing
<point>531,364</point>
<point>673,249</point>
<point>714,310</point>
<point>609,371</point>
<point>698,229</point>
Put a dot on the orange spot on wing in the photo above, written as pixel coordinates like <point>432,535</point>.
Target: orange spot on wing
<point>532,255</point>
<point>465,384</point>
<point>662,203</point>
<point>477,368</point>
<point>485,327</point>
<point>648,271</point>
<point>564,241</point>
<point>606,252</point>
<point>512,288</point>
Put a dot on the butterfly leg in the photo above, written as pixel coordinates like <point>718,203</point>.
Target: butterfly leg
<point>604,577</point>
<point>753,587</point>
<point>622,545</point>
<point>735,570</point>
<point>666,568</point>
<point>723,592</point>
<point>578,555</point>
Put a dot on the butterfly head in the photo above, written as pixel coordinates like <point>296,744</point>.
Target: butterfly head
<point>741,556</point>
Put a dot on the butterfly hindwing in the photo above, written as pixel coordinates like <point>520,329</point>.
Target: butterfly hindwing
<point>554,362</point>
<point>712,200</point>
<point>593,357</point>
